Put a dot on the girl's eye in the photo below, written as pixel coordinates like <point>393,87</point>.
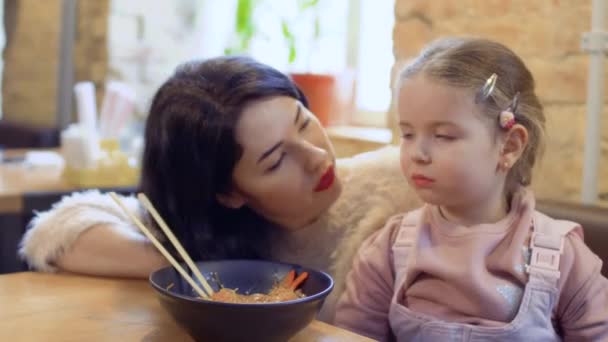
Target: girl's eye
<point>444,137</point>
<point>407,136</point>
<point>276,165</point>
<point>304,125</point>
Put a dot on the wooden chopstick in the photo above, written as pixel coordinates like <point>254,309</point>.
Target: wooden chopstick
<point>159,246</point>
<point>178,246</point>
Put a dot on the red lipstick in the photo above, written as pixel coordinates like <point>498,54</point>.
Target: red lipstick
<point>422,181</point>
<point>326,180</point>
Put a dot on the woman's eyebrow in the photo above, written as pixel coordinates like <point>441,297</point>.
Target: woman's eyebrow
<point>269,151</point>
<point>298,111</point>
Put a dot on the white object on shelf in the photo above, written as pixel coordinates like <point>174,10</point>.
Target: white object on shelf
<point>79,150</point>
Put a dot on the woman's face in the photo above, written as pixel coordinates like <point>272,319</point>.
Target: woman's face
<point>286,171</point>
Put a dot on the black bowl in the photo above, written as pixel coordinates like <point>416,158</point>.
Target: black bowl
<point>215,321</point>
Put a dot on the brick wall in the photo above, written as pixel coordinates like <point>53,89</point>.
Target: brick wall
<point>136,41</point>
<point>32,56</point>
<point>148,38</point>
<point>91,49</point>
<point>546,34</point>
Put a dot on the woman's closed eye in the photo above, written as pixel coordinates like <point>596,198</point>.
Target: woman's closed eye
<point>304,125</point>
<point>279,161</point>
<point>277,164</point>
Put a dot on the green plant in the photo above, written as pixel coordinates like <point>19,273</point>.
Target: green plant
<point>246,29</point>
<point>303,5</point>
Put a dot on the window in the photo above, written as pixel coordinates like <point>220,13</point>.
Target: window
<point>355,34</point>
<point>374,61</point>
<point>146,42</point>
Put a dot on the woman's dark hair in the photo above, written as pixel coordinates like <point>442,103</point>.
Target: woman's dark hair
<point>190,154</point>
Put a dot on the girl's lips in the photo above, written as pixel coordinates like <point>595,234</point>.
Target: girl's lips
<point>422,181</point>
<point>326,180</point>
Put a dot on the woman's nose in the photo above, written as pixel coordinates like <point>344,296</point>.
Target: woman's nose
<point>313,157</point>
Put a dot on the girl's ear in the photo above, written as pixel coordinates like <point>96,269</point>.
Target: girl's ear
<point>515,142</point>
<point>232,200</point>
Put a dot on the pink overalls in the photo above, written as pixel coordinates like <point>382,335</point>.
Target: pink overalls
<point>531,323</point>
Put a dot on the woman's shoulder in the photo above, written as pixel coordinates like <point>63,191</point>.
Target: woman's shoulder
<point>94,198</point>
<point>373,188</point>
<point>385,158</point>
<point>375,178</point>
<point>97,206</point>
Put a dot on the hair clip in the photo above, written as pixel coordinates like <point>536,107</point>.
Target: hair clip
<point>506,119</point>
<point>487,89</point>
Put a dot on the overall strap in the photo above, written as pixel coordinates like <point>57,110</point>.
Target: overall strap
<point>402,243</point>
<point>547,246</point>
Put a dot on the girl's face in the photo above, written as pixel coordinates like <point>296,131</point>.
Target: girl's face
<point>286,171</point>
<point>448,152</point>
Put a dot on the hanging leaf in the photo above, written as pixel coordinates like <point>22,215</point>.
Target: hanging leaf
<point>286,31</point>
<point>304,4</point>
<point>290,40</point>
<point>244,15</point>
<point>244,27</point>
<point>292,54</point>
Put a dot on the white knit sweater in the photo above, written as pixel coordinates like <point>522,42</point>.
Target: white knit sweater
<point>373,190</point>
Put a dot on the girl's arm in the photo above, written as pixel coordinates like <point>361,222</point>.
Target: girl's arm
<point>583,304</point>
<point>365,303</point>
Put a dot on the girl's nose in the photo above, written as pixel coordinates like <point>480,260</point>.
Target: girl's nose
<point>420,154</point>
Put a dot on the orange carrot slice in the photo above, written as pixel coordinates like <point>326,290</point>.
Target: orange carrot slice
<point>288,280</point>
<point>298,281</point>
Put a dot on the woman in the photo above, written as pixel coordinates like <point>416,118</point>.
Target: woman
<point>239,168</point>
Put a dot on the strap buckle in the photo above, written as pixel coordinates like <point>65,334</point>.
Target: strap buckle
<point>546,252</point>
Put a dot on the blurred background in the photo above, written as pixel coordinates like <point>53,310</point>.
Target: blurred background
<point>349,49</point>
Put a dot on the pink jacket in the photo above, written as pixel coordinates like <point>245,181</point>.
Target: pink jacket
<point>424,278</point>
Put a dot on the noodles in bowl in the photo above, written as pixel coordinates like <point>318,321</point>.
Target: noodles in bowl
<point>210,320</point>
<point>285,290</point>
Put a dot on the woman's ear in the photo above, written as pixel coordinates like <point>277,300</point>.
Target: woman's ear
<point>514,144</point>
<point>232,200</point>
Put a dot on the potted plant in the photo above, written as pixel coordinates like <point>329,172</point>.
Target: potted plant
<point>319,88</point>
<point>328,94</point>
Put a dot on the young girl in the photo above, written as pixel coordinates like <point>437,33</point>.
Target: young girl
<point>476,262</point>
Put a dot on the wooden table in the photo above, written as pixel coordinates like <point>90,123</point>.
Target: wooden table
<point>16,178</point>
<point>53,307</point>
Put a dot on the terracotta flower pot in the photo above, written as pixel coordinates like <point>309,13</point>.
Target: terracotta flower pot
<point>321,92</point>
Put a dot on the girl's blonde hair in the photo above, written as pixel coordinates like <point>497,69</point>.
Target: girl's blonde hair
<point>468,63</point>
